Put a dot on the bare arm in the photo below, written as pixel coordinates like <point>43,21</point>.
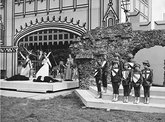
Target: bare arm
<point>49,62</point>
<point>22,55</point>
<point>48,54</point>
<point>29,52</point>
<point>40,55</point>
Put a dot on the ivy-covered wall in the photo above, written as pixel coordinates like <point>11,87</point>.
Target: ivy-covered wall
<point>119,38</point>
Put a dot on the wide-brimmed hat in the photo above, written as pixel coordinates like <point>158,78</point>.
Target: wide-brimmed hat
<point>146,62</point>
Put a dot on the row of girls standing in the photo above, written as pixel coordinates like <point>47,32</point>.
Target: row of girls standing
<point>128,74</point>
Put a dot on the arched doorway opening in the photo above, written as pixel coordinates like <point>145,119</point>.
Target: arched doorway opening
<point>56,41</point>
<point>156,57</point>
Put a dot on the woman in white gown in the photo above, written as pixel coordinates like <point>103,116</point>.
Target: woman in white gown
<point>69,68</point>
<point>26,67</point>
<point>44,70</point>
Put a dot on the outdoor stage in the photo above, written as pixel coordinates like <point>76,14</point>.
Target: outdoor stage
<point>38,86</point>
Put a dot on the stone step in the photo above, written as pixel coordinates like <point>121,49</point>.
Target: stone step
<point>154,91</point>
<point>109,96</point>
<point>89,100</point>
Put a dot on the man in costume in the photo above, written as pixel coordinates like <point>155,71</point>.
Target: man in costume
<point>104,73</point>
<point>98,77</point>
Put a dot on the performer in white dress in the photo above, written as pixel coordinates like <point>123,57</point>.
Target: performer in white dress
<point>26,66</point>
<point>44,70</point>
<point>69,68</point>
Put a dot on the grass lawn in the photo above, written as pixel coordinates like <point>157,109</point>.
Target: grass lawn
<point>66,109</point>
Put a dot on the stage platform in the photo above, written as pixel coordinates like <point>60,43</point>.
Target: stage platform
<point>38,86</point>
<point>157,100</point>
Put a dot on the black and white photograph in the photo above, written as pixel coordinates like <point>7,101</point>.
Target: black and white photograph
<point>82,60</point>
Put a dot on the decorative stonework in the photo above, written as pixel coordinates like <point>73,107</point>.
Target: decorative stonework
<point>49,24</point>
<point>8,49</point>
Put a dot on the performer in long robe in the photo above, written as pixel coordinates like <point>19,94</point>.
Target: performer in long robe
<point>25,70</point>
<point>61,70</point>
<point>27,65</point>
<point>69,69</point>
<point>44,70</point>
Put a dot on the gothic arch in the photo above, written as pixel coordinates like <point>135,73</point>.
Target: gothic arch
<point>53,24</point>
<point>146,39</point>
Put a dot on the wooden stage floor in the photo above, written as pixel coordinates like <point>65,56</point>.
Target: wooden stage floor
<point>38,86</point>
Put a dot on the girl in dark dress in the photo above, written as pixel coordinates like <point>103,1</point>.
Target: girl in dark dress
<point>147,74</point>
<point>126,77</point>
<point>136,82</point>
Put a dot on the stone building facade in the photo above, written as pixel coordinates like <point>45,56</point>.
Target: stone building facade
<point>41,23</point>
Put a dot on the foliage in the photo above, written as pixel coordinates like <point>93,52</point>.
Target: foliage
<point>109,40</point>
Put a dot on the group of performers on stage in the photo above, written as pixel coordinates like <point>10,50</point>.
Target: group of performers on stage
<point>66,71</point>
<point>128,74</point>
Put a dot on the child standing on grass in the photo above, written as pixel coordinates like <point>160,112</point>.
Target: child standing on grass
<point>147,74</point>
<point>137,81</point>
<point>126,76</point>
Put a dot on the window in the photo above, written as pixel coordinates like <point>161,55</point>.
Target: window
<point>71,35</point>
<point>45,37</point>
<point>30,38</point>
<point>26,38</point>
<point>50,37</point>
<point>67,3</point>
<point>45,31</point>
<point>110,22</point>
<point>35,38</point>
<point>40,38</point>
<point>55,31</point>
<point>60,36</point>
<point>55,37</point>
<point>50,31</point>
<point>40,32</point>
<point>65,36</point>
